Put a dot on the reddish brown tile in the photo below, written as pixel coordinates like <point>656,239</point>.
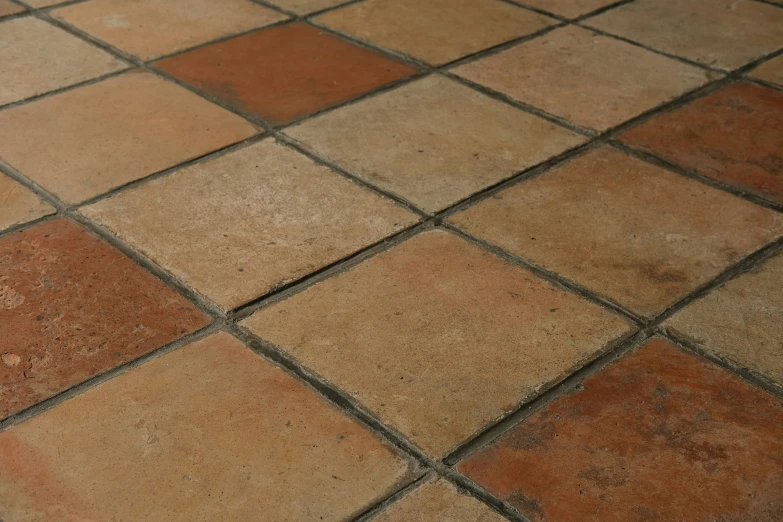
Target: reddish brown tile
<point>732,135</point>
<point>660,435</point>
<point>285,73</point>
<point>72,307</point>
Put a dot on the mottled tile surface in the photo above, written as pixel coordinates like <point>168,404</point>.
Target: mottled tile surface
<point>18,204</point>
<point>771,71</point>
<point>659,435</point>
<point>208,432</point>
<point>569,8</point>
<point>71,307</point>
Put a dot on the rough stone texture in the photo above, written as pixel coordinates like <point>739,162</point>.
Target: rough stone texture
<point>741,321</point>
<point>569,8</point>
<point>771,71</point>
<point>18,204</point>
<point>72,307</point>
<point>632,231</point>
<point>660,435</point>
<point>8,8</point>
<point>240,225</point>
<point>433,142</point>
<point>732,135</point>
<point>36,58</point>
<point>438,501</point>
<point>284,73</point>
<point>150,28</point>
<point>104,135</point>
<point>591,80</point>
<point>303,7</point>
<point>721,33</point>
<point>450,337</point>
<point>208,432</point>
<point>435,31</point>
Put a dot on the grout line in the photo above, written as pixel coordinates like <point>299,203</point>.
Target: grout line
<point>769,2</point>
<point>387,501</point>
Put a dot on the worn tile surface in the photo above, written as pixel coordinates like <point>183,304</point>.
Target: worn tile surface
<point>771,71</point>
<point>19,204</point>
<point>591,80</point>
<point>208,432</point>
<point>569,8</point>
<point>8,8</point>
<point>659,435</point>
<point>631,231</point>
<point>433,142</point>
<point>71,307</point>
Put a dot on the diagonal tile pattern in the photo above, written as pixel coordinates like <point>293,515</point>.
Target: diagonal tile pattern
<point>18,204</point>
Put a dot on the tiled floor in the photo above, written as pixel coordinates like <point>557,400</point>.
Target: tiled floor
<point>391,260</point>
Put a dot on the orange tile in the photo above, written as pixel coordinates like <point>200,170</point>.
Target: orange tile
<point>18,204</point>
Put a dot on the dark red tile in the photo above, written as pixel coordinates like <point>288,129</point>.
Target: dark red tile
<point>285,73</point>
<point>661,435</point>
<point>734,135</point>
<point>71,307</point>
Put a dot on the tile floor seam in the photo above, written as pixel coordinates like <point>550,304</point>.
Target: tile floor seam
<point>767,2</point>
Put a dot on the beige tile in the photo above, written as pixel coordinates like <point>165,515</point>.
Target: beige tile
<point>36,58</point>
<point>435,31</point>
<point>18,204</point>
<point>151,28</point>
<point>40,4</point>
<point>741,320</point>
<point>303,7</point>
<point>771,71</point>
<point>236,227</point>
<point>84,142</point>
<point>433,142</point>
<point>438,337</point>
<point>8,8</point>
<point>629,230</point>
<point>721,33</point>
<point>569,8</point>
<point>208,432</point>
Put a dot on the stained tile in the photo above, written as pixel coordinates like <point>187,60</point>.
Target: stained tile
<point>151,28</point>
<point>732,135</point>
<point>569,8</point>
<point>207,432</point>
<point>8,8</point>
<point>435,31</point>
<point>303,7</point>
<point>591,80</point>
<point>72,307</point>
<point>659,435</point>
<point>626,229</point>
<point>450,337</point>
<point>741,321</point>
<point>771,71</point>
<point>434,141</point>
<point>36,58</point>
<point>720,33</point>
<point>238,226</point>
<point>18,204</point>
<point>84,142</point>
<point>284,73</point>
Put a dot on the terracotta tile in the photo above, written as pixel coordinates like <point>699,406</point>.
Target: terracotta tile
<point>741,321</point>
<point>104,135</point>
<point>8,8</point>
<point>208,432</point>
<point>151,28</point>
<point>436,31</point>
<point>569,8</point>
<point>72,307</point>
<point>593,81</point>
<point>284,73</point>
<point>434,141</point>
<point>732,135</point>
<point>450,337</point>
<point>18,204</point>
<point>40,4</point>
<point>659,435</point>
<point>240,225</point>
<point>720,33</point>
<point>771,71</point>
<point>631,231</point>
<point>438,501</point>
<point>303,7</point>
<point>36,58</point>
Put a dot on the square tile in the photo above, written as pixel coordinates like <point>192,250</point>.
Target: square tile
<point>771,71</point>
<point>19,205</point>
<point>732,135</point>
<point>450,337</point>
<point>8,8</point>
<point>720,33</point>
<point>210,431</point>
<point>82,143</point>
<point>658,435</point>
<point>36,58</point>
<point>151,28</point>
<point>591,80</point>
<point>238,226</point>
<point>72,307</point>
<point>303,7</point>
<point>569,8</point>
<point>284,73</point>
<point>434,141</point>
<point>629,230</point>
<point>741,321</point>
<point>435,31</point>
